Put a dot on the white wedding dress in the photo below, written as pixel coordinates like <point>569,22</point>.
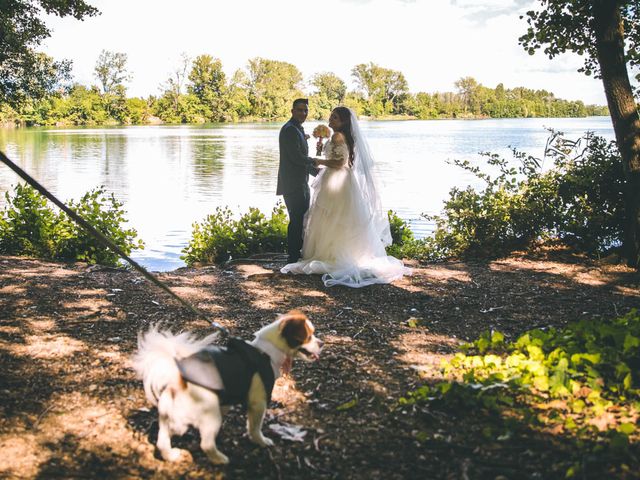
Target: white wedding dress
<point>345,230</point>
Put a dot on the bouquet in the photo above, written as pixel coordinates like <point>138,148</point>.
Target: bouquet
<point>320,132</point>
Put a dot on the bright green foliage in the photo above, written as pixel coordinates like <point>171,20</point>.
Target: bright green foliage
<point>208,85</point>
<point>220,237</point>
<point>106,215</point>
<point>138,110</point>
<point>404,244</point>
<point>400,232</point>
<point>581,380</point>
<point>474,100</point>
<point>383,88</point>
<point>577,202</point>
<point>330,93</point>
<point>272,87</point>
<point>28,226</point>
<point>199,92</point>
<point>238,97</point>
<point>85,106</point>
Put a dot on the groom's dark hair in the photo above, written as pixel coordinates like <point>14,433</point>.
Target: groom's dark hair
<point>300,100</point>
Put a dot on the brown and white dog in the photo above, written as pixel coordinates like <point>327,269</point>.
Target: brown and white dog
<point>182,401</point>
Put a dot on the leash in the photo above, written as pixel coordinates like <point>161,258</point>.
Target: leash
<point>106,241</point>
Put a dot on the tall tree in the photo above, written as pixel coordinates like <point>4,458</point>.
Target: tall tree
<point>238,95</point>
<point>172,90</point>
<point>21,31</point>
<point>208,85</point>
<point>383,87</point>
<point>272,86</point>
<point>330,91</point>
<point>111,70</point>
<point>330,86</point>
<point>598,29</point>
<point>467,88</point>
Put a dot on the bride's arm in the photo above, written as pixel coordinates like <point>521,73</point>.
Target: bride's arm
<point>334,160</point>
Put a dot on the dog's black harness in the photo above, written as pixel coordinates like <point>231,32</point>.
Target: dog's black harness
<point>236,363</point>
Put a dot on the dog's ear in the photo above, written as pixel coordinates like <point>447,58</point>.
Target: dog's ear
<point>295,328</point>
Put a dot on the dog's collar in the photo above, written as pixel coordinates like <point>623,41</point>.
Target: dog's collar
<point>276,355</point>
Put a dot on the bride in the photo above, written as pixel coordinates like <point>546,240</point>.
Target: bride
<point>346,230</point>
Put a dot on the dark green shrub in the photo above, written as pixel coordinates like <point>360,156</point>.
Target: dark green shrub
<point>401,234</point>
<point>220,237</point>
<point>28,226</point>
<point>106,215</point>
<point>578,202</point>
<point>591,191</point>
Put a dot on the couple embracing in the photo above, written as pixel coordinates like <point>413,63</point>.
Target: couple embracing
<point>340,231</point>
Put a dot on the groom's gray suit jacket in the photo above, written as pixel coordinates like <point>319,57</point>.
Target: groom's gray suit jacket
<point>295,163</point>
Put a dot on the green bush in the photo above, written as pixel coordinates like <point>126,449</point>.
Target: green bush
<point>220,237</point>
<point>578,202</point>
<point>106,215</point>
<point>581,380</point>
<point>28,226</point>
<point>405,245</point>
<point>401,234</point>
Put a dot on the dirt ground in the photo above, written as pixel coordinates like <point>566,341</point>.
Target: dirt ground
<point>71,407</point>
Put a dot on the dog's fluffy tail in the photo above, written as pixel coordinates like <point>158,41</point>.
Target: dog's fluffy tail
<point>154,362</point>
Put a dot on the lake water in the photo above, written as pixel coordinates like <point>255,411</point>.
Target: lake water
<point>171,176</point>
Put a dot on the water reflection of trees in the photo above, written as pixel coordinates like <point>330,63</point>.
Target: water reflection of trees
<point>113,160</point>
<point>68,163</point>
<point>265,168</point>
<point>28,149</point>
<point>208,163</point>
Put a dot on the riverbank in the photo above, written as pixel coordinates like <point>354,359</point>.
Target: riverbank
<point>71,407</point>
<point>155,121</point>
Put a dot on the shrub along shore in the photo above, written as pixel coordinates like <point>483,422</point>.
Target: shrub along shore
<point>577,203</point>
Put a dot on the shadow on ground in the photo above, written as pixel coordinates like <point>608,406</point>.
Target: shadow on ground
<point>71,407</point>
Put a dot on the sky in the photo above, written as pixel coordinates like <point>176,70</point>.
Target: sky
<point>432,42</point>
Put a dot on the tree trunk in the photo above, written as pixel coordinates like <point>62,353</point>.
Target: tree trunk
<point>609,33</point>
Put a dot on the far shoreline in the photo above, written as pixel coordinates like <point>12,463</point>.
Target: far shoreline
<point>395,118</point>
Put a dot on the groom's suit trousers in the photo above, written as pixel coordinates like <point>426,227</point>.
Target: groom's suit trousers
<point>297,205</point>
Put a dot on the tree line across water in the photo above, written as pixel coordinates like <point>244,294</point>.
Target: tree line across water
<point>199,91</point>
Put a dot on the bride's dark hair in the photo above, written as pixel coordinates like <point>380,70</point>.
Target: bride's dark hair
<point>345,118</point>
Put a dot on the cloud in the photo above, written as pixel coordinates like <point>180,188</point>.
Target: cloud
<point>480,12</point>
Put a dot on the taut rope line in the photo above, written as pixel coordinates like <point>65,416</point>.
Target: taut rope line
<point>104,240</point>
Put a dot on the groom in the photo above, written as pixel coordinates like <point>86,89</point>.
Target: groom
<point>293,174</point>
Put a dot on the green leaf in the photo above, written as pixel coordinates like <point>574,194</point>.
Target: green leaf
<point>627,428</point>
<point>630,342</point>
<point>496,338</point>
<point>347,405</point>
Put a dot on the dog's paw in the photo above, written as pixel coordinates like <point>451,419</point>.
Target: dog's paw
<point>262,441</point>
<point>218,458</point>
<point>175,455</point>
